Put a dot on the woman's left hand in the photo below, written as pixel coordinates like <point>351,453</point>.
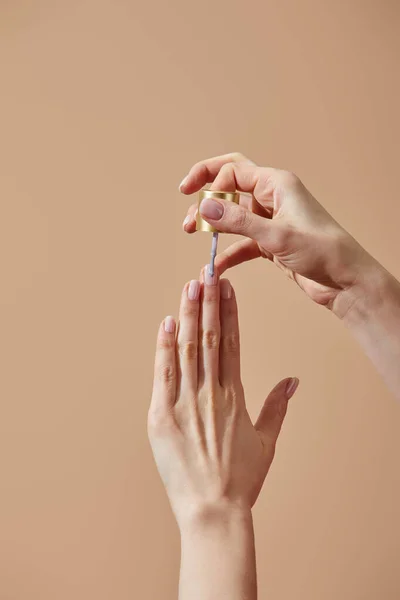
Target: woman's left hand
<point>210,456</point>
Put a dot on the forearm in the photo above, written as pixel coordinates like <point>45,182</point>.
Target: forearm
<point>371,311</point>
<point>218,557</point>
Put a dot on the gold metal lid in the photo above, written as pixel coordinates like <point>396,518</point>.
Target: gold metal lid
<point>202,225</point>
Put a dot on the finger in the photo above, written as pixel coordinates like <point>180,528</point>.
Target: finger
<point>189,224</point>
<point>228,217</point>
<point>250,179</point>
<point>210,330</point>
<point>207,170</point>
<point>187,339</point>
<point>164,387</point>
<point>236,176</point>
<point>237,253</point>
<point>267,185</point>
<point>241,174</point>
<point>273,412</point>
<point>229,350</point>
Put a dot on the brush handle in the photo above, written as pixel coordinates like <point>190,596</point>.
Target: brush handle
<point>214,245</point>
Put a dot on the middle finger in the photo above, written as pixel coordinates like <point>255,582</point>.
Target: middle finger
<point>209,330</point>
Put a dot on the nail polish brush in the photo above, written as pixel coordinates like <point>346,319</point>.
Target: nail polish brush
<point>214,246</point>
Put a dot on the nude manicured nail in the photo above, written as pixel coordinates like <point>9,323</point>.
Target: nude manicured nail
<point>211,209</point>
<point>194,290</point>
<point>208,280</point>
<point>226,289</point>
<point>169,324</point>
<point>291,387</point>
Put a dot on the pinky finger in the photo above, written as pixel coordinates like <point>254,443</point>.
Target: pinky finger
<point>165,372</point>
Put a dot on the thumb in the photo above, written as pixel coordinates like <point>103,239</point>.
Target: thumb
<point>229,217</point>
<point>273,412</point>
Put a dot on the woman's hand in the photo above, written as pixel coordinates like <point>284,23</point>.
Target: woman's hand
<point>207,450</point>
<point>288,226</point>
<point>284,223</point>
<point>212,459</point>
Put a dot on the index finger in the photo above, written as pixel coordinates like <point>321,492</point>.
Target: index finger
<point>207,170</point>
<point>238,253</point>
<point>255,184</point>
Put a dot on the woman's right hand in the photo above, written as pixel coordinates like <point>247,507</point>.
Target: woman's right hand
<point>284,223</point>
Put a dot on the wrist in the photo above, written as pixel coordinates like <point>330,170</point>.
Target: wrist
<point>223,517</point>
<point>218,553</point>
<point>373,289</point>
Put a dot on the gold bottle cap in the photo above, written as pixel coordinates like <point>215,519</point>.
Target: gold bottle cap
<point>202,225</point>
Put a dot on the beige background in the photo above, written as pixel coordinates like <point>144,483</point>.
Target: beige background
<point>104,105</point>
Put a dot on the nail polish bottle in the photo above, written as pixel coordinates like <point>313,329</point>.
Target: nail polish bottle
<point>202,225</point>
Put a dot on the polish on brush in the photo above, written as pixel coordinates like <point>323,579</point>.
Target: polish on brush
<point>214,246</point>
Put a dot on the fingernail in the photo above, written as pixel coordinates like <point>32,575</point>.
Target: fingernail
<point>211,209</point>
<point>208,280</point>
<point>187,220</point>
<point>169,324</point>
<point>194,290</point>
<point>226,289</point>
<point>182,183</point>
<point>291,387</point>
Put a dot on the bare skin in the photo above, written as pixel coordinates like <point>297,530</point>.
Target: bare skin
<point>281,221</point>
<point>212,459</point>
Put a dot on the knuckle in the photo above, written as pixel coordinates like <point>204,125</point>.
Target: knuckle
<point>166,374</point>
<point>230,309</point>
<point>188,350</point>
<point>210,339</point>
<point>165,343</point>
<point>234,392</point>
<point>224,176</point>
<point>238,156</point>
<point>200,165</point>
<point>290,179</point>
<point>227,168</point>
<point>234,399</point>
<point>190,310</point>
<point>212,397</point>
<point>159,421</point>
<point>230,343</point>
<point>210,297</point>
<point>240,220</point>
<point>200,169</point>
